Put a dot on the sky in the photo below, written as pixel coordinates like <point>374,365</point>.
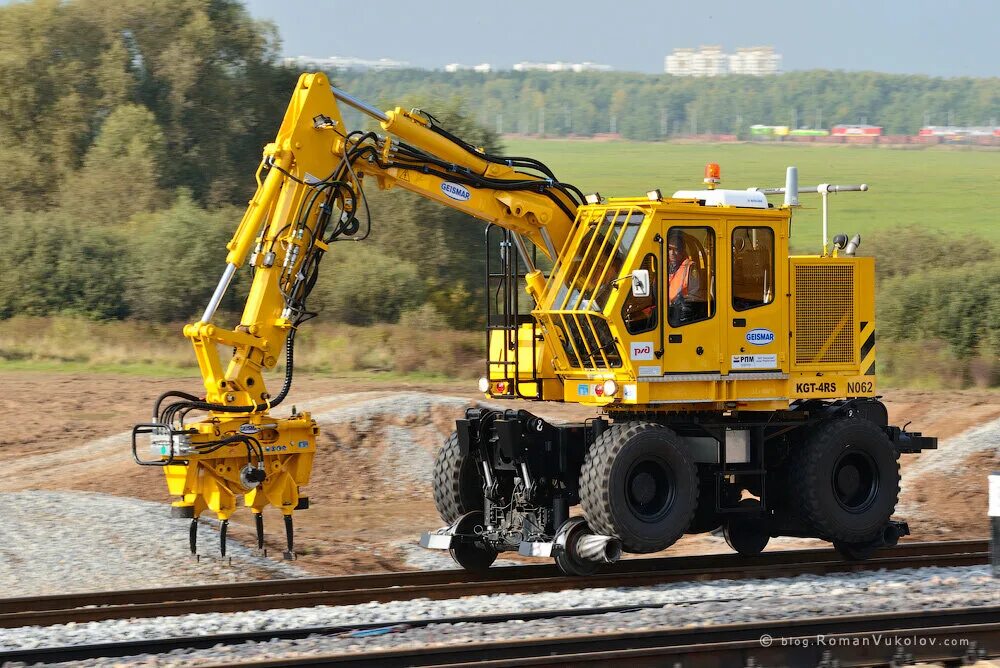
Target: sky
<point>937,38</point>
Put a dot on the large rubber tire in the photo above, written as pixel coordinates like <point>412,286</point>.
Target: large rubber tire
<point>847,479</point>
<point>458,486</point>
<point>638,483</point>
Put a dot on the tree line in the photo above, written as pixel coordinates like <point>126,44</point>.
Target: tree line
<point>130,133</point>
<point>646,107</point>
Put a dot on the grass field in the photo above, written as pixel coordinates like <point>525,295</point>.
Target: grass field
<point>955,191</point>
<point>74,344</point>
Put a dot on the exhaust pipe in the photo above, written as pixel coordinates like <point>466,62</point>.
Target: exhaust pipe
<point>852,245</point>
<point>602,549</point>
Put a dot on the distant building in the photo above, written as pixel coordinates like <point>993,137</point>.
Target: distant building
<point>483,68</point>
<point>346,63</point>
<point>561,67</point>
<point>706,61</point>
<point>756,61</point>
<point>711,61</point>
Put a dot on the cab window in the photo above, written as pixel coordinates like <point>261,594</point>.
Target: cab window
<point>690,275</point>
<point>753,267</point>
<point>640,313</point>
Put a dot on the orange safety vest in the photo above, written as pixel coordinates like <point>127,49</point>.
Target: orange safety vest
<point>679,280</point>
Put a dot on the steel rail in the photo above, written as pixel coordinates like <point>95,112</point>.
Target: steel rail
<point>978,628</point>
<point>895,638</point>
<point>165,645</point>
<point>384,587</point>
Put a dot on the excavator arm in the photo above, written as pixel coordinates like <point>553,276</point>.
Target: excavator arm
<point>310,195</point>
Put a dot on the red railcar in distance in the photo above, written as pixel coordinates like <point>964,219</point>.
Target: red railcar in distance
<point>856,131</point>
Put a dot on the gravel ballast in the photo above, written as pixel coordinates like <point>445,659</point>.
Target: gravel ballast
<point>683,604</point>
<point>66,542</point>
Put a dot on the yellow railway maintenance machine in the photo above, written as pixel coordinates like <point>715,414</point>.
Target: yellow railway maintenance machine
<point>733,384</point>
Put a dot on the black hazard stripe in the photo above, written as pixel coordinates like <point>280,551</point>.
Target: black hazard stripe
<point>868,351</point>
<point>868,345</point>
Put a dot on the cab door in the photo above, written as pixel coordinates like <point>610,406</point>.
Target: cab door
<point>692,337</point>
<point>756,339</point>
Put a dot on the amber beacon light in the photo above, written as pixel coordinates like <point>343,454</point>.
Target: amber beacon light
<point>712,174</point>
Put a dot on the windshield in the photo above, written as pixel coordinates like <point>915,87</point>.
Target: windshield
<point>582,285</point>
<point>586,279</point>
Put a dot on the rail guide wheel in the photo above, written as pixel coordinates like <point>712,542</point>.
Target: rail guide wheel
<point>568,561</point>
<point>639,484</point>
<point>747,533</point>
<point>468,549</point>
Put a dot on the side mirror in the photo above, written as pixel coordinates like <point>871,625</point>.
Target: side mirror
<point>640,283</point>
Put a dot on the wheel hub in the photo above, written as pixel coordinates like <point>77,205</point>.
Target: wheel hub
<point>650,485</point>
<point>848,480</point>
<point>855,481</point>
<point>643,488</point>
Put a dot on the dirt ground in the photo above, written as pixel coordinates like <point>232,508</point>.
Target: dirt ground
<point>368,509</point>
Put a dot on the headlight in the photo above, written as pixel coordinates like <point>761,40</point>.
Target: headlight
<point>484,385</point>
<point>610,388</point>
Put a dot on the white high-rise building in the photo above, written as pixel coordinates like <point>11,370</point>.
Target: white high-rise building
<point>706,61</point>
<point>711,61</point>
<point>756,61</point>
<point>482,68</point>
<point>346,63</point>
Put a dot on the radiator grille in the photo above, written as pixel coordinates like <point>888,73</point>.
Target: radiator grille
<point>824,314</point>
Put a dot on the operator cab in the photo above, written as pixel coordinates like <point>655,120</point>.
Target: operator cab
<point>709,258</point>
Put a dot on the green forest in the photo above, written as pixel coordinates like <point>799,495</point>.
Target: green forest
<point>130,133</point>
<point>645,107</point>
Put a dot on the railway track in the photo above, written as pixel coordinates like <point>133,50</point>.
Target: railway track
<point>899,638</point>
<point>950,634</point>
<point>385,587</point>
<point>722,643</point>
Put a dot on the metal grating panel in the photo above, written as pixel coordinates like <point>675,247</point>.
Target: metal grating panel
<point>824,314</point>
<point>582,282</point>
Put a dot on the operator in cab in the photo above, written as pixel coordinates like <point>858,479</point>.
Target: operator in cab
<point>686,302</point>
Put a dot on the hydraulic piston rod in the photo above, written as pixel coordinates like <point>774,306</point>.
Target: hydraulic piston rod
<point>363,107</point>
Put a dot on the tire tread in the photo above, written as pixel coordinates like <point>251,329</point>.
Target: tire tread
<point>807,481</point>
<point>595,484</point>
<point>447,480</point>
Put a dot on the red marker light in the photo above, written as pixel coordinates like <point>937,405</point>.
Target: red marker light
<point>599,390</point>
<point>501,387</point>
